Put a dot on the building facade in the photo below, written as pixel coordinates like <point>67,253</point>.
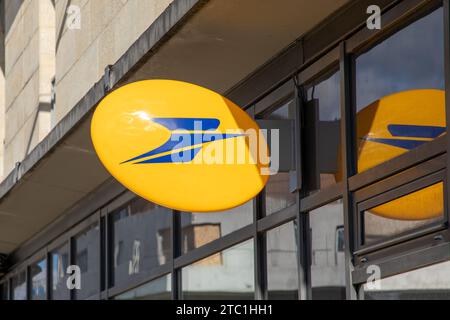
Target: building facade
<point>319,230</point>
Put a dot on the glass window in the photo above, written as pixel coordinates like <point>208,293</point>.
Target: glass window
<point>225,275</point>
<point>59,259</point>
<point>323,116</point>
<point>19,286</point>
<point>278,196</point>
<point>411,59</point>
<point>199,229</point>
<point>142,239</point>
<point>430,283</point>
<point>159,289</point>
<point>87,257</point>
<point>404,214</point>
<point>327,261</point>
<point>4,291</point>
<point>38,273</point>
<point>282,262</point>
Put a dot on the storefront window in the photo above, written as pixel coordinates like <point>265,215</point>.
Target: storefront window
<point>159,289</point>
<point>282,262</point>
<point>4,291</point>
<point>199,229</point>
<point>400,96</point>
<point>59,261</point>
<point>327,255</point>
<point>19,286</point>
<point>38,273</point>
<point>87,257</point>
<point>430,283</point>
<point>225,275</point>
<point>412,211</point>
<point>278,195</point>
<point>323,116</point>
<point>149,245</point>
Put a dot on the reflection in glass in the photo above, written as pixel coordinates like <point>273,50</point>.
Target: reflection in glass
<point>430,283</point>
<point>411,59</point>
<point>147,246</point>
<point>282,263</point>
<point>19,286</point>
<point>38,273</point>
<point>60,261</point>
<point>87,257</point>
<point>327,256</point>
<point>159,289</point>
<point>324,116</point>
<point>224,275</point>
<point>278,196</point>
<point>404,214</point>
<point>4,291</point>
<point>199,229</point>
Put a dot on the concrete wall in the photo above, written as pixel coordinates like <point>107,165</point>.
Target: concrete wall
<point>107,29</point>
<point>29,68</point>
<point>44,41</point>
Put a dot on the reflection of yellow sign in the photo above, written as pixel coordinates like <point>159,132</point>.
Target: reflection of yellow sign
<point>394,125</point>
<point>179,145</point>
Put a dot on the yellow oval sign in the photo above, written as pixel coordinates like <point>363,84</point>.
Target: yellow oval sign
<point>180,145</point>
<point>397,124</point>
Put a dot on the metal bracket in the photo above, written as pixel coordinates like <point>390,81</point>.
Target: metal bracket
<point>107,79</point>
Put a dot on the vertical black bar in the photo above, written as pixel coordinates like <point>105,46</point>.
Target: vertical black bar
<point>49,275</point>
<point>348,163</point>
<point>72,258</point>
<point>28,281</point>
<point>259,240</point>
<point>447,90</point>
<point>260,260</point>
<point>103,257</point>
<point>177,293</point>
<point>304,275</point>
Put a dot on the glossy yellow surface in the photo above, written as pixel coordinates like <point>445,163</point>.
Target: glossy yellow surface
<point>123,127</point>
<point>409,108</point>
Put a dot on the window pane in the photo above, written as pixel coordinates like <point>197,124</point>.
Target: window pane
<point>224,275</point>
<point>199,229</point>
<point>60,262</point>
<point>4,291</point>
<point>19,286</point>
<point>327,115</point>
<point>38,273</point>
<point>327,254</point>
<point>87,249</point>
<point>404,214</point>
<point>282,263</point>
<point>278,196</point>
<point>411,59</point>
<point>159,289</point>
<point>430,283</point>
<point>142,239</point>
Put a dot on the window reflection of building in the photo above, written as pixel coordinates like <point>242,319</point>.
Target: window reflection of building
<point>327,263</point>
<point>222,223</point>
<point>149,244</point>
<point>19,286</point>
<point>282,262</point>
<point>233,279</point>
<point>38,272</point>
<point>278,195</point>
<point>429,283</point>
<point>87,257</point>
<point>60,262</point>
<point>158,289</point>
